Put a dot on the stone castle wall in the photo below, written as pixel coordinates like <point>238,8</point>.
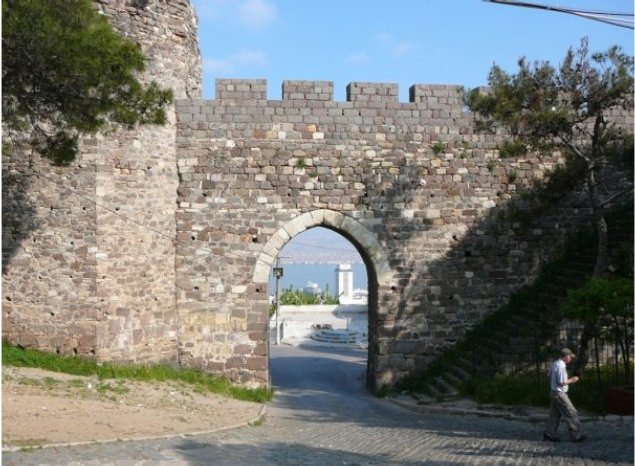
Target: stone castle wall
<point>88,249</point>
<point>49,244</point>
<point>420,193</point>
<point>157,243</point>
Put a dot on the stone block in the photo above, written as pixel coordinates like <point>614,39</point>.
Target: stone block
<point>257,363</point>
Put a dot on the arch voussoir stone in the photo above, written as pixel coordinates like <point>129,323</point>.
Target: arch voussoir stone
<point>365,239</point>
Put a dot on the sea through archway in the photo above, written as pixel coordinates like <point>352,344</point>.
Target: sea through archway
<point>320,282</point>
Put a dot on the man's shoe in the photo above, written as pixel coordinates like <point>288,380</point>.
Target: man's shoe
<point>581,438</point>
<point>549,437</point>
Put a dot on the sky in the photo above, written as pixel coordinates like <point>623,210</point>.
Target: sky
<point>402,41</point>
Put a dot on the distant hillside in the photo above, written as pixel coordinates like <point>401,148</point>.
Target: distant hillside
<point>319,245</point>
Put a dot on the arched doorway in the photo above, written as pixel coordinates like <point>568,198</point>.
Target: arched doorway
<point>377,268</point>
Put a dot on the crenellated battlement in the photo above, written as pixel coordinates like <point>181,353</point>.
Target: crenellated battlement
<point>307,111</point>
<point>425,100</point>
<point>307,90</point>
<point>427,95</point>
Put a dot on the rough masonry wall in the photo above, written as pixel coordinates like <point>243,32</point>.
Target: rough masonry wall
<point>136,187</point>
<point>414,174</point>
<point>156,244</point>
<point>90,269</point>
<point>48,256</point>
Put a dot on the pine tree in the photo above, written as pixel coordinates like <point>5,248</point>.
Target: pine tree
<point>65,72</point>
<point>568,109</point>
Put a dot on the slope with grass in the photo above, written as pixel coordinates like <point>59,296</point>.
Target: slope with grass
<point>197,380</point>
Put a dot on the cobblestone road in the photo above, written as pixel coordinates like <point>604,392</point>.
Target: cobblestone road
<point>312,422</point>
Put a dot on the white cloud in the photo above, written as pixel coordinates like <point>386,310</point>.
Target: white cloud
<point>396,47</point>
<point>217,67</point>
<point>245,58</point>
<point>256,13</point>
<point>358,58</point>
<point>385,38</point>
<point>403,48</point>
<point>253,14</point>
<point>212,10</point>
<point>249,58</point>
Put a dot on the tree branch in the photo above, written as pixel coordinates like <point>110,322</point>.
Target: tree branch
<point>616,195</point>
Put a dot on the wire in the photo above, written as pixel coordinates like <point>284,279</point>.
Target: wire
<point>124,217</point>
<point>624,20</point>
<point>317,246</point>
<point>166,235</point>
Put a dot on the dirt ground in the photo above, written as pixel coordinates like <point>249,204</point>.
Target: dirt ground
<point>41,407</point>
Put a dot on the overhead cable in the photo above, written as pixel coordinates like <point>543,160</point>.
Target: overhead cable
<point>624,20</point>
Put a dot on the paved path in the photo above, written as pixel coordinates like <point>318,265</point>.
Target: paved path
<point>322,416</point>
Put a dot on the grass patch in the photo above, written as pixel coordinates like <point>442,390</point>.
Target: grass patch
<point>77,383</point>
<point>438,147</point>
<point>258,422</point>
<point>508,390</point>
<point>29,445</point>
<point>118,389</point>
<point>196,379</point>
<point>590,395</point>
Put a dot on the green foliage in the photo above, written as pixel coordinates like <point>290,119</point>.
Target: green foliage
<point>65,72</point>
<point>605,306</point>
<point>532,389</point>
<point>541,105</point>
<point>512,149</point>
<point>198,380</point>
<point>508,390</point>
<point>560,181</point>
<point>621,152</point>
<point>438,147</point>
<point>590,395</point>
<point>513,175</point>
<point>568,108</point>
<point>292,297</point>
<point>600,298</point>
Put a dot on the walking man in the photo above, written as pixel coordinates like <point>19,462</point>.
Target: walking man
<point>560,405</point>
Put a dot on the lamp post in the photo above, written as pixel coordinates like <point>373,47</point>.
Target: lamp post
<point>278,272</point>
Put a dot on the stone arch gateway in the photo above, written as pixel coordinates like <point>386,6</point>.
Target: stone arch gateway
<point>154,245</point>
<point>380,277</point>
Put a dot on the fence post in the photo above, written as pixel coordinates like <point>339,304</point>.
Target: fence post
<point>536,353</point>
<point>597,360</point>
<point>616,349</point>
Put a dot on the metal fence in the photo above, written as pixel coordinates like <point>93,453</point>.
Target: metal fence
<point>532,350</point>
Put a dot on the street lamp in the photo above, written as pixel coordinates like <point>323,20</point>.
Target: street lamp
<point>278,272</point>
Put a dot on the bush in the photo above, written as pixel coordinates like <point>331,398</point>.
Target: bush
<point>292,297</point>
<point>508,390</point>
<point>590,395</point>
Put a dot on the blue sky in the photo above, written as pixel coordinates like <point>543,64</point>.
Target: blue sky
<point>404,41</point>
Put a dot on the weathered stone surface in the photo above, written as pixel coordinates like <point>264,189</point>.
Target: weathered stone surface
<point>426,223</point>
<point>93,276</point>
<point>157,244</point>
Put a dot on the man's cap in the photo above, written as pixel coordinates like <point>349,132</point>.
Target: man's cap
<point>567,352</point>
